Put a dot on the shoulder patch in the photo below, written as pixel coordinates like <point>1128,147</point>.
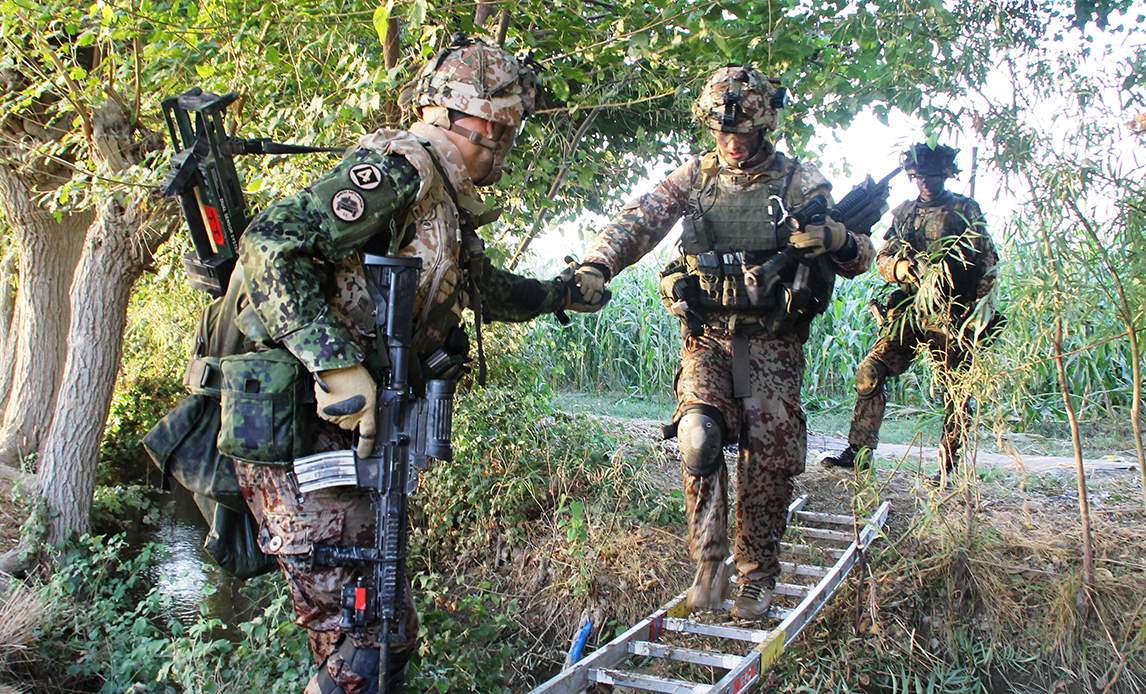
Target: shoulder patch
<point>405,144</point>
<point>348,205</point>
<point>365,176</point>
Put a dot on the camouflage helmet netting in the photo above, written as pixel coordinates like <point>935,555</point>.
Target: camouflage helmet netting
<point>924,160</point>
<point>738,99</point>
<point>477,79</point>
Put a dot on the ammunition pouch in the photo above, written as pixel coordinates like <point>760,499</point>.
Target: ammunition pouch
<point>747,288</point>
<point>265,407</point>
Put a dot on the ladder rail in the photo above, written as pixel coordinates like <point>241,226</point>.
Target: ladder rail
<point>768,652</point>
<point>768,644</point>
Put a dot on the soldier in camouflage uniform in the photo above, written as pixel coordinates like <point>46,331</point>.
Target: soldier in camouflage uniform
<point>938,241</point>
<point>743,358</point>
<point>404,193</point>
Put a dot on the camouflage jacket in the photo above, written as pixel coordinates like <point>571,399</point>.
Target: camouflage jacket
<point>950,230</point>
<point>645,220</point>
<point>302,256</point>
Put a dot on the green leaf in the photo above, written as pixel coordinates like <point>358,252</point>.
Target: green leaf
<point>382,20</point>
<point>417,14</point>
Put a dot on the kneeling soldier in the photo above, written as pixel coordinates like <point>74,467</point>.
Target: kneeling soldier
<point>939,240</point>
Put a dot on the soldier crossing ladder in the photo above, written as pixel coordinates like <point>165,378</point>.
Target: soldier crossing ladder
<point>820,551</point>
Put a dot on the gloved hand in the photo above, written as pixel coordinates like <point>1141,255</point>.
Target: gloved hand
<point>905,272</point>
<point>346,397</point>
<point>588,292</point>
<point>817,239</point>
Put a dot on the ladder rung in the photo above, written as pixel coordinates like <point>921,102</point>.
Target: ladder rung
<point>822,534</point>
<point>808,549</point>
<point>785,588</point>
<point>650,683</point>
<point>688,626</point>
<point>774,612</point>
<point>724,661</point>
<point>833,518</point>
<point>803,569</point>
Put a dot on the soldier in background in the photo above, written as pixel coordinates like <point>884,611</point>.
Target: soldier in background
<point>408,193</point>
<point>942,260</point>
<point>742,363</point>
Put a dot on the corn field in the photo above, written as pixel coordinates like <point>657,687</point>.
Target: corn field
<point>633,345</point>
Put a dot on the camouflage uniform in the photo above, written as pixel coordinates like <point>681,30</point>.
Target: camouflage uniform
<point>946,238</point>
<point>404,193</point>
<point>766,418</point>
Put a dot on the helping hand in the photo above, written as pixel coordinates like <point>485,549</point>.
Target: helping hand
<point>587,290</point>
<point>817,239</point>
<point>346,397</point>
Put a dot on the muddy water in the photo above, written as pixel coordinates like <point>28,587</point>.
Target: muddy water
<point>185,573</point>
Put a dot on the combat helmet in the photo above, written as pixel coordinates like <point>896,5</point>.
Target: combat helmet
<point>924,160</point>
<point>477,79</point>
<point>739,99</point>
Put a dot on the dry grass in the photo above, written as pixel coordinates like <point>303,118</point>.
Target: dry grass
<point>973,589</point>
<point>22,612</point>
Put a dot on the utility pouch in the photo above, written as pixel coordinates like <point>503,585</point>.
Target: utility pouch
<point>706,268</point>
<point>264,401</point>
<point>734,296</point>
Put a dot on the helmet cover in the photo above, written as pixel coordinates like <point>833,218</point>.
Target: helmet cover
<point>739,99</point>
<point>924,160</point>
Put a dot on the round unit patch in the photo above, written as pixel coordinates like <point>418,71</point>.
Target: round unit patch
<point>348,205</point>
<point>365,176</point>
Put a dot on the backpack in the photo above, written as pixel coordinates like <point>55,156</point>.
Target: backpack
<point>183,445</point>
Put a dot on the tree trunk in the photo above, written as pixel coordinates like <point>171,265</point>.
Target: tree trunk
<point>483,12</point>
<point>47,255</point>
<point>99,298</point>
<point>119,246</point>
<point>7,314</point>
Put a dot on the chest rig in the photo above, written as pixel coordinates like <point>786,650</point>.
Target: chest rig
<point>731,223</point>
<point>944,233</point>
<point>732,237</point>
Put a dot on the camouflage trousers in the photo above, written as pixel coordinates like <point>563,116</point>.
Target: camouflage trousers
<point>891,355</point>
<point>767,423</point>
<point>289,525</point>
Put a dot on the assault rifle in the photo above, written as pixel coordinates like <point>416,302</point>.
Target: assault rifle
<point>410,431</point>
<point>859,210</point>
<point>204,178</point>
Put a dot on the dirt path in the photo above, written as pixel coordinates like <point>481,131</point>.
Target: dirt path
<point>911,455</point>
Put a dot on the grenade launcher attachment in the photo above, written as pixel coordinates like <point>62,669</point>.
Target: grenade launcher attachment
<point>203,177</point>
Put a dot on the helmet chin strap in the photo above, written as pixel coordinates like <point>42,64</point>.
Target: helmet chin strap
<point>473,136</point>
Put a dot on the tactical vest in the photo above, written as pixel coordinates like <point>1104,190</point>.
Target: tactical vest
<point>943,233</point>
<point>730,229</point>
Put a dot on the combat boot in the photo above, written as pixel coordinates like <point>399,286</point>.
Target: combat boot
<point>846,459</point>
<point>707,591</point>
<point>753,601</point>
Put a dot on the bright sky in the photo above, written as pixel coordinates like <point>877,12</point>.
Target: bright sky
<point>870,147</point>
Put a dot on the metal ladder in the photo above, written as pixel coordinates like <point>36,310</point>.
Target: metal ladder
<point>814,540</point>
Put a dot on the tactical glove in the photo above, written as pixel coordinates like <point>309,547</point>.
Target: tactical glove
<point>905,272</point>
<point>817,239</point>
<point>587,293</point>
<point>346,397</point>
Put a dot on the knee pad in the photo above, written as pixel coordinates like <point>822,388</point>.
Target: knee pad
<point>701,437</point>
<point>359,664</point>
<point>870,377</point>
